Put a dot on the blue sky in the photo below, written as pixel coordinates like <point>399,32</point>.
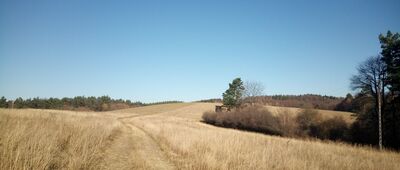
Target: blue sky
<point>185,50</point>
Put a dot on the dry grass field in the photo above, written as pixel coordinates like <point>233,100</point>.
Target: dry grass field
<point>347,116</point>
<point>169,136</point>
<point>47,139</point>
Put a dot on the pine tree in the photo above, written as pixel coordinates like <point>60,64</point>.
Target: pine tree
<point>3,102</point>
<point>390,45</point>
<point>233,94</point>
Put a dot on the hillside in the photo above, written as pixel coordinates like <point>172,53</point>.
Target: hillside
<point>348,116</point>
<point>168,136</point>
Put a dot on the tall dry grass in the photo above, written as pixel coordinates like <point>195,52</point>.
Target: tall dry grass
<point>191,144</point>
<point>194,146</point>
<point>43,139</point>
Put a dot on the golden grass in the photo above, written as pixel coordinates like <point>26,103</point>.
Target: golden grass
<point>160,137</point>
<point>45,139</point>
<point>191,144</point>
<point>326,114</point>
<point>146,110</point>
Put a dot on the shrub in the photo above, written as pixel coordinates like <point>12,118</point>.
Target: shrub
<point>308,123</point>
<point>209,117</point>
<point>288,124</point>
<point>252,119</point>
<point>333,129</point>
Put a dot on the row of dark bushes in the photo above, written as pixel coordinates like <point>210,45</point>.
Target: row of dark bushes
<point>310,101</point>
<point>308,123</point>
<point>162,102</point>
<point>215,100</point>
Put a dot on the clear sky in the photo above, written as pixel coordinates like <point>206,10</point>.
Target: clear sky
<point>186,50</point>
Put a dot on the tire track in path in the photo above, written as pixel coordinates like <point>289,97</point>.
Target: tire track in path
<point>147,150</point>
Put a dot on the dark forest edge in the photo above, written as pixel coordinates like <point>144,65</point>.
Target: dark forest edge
<point>306,101</point>
<point>80,103</point>
<point>105,103</point>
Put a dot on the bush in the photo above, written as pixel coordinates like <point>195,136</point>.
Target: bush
<point>308,123</point>
<point>333,129</point>
<point>288,124</point>
<point>209,117</point>
<point>253,119</point>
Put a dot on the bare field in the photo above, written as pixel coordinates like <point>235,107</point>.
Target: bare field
<point>168,136</point>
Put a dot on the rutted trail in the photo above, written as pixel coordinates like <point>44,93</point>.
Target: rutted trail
<point>134,148</point>
<point>122,152</point>
<point>149,149</point>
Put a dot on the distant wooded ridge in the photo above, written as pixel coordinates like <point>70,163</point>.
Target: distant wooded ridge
<point>106,103</point>
<point>311,101</point>
<point>82,103</point>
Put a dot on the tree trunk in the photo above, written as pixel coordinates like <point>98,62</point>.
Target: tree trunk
<point>394,123</point>
<point>380,117</point>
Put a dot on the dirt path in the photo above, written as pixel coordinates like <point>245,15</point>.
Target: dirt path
<point>121,153</point>
<point>135,148</point>
<point>149,149</point>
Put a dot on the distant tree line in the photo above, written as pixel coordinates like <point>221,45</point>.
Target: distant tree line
<point>162,102</point>
<point>308,101</point>
<point>216,100</point>
<point>240,94</point>
<point>103,103</point>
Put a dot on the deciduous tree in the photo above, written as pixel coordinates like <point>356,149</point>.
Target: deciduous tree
<point>371,79</point>
<point>252,89</point>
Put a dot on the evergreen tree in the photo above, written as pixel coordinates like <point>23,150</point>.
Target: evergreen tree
<point>233,94</point>
<point>19,103</point>
<point>3,102</point>
<point>390,45</point>
<point>346,104</point>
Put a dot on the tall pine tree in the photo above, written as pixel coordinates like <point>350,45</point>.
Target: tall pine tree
<point>233,94</point>
<point>390,45</point>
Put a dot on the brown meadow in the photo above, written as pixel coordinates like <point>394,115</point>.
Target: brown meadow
<point>169,136</point>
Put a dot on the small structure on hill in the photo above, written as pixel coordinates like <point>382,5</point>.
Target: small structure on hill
<point>222,108</point>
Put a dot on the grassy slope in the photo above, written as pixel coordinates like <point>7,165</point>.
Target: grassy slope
<point>50,139</point>
<point>191,144</point>
<point>177,130</point>
<point>348,116</point>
